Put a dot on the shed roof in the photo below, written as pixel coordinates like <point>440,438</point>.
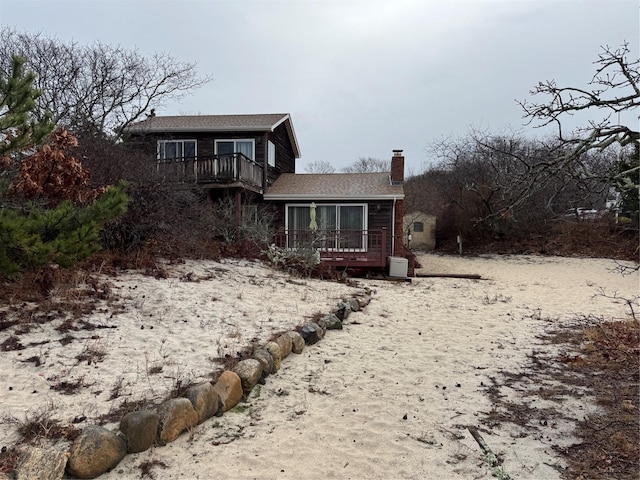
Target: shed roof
<point>266,122</point>
<point>334,186</point>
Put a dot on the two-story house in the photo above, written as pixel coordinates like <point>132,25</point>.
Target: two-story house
<point>355,220</point>
<point>237,154</point>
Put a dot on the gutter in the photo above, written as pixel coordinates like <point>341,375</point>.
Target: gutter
<point>315,196</point>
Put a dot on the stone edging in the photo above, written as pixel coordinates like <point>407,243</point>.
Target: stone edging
<point>98,450</point>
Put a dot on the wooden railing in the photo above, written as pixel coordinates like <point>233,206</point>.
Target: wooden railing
<point>354,248</point>
<point>216,169</point>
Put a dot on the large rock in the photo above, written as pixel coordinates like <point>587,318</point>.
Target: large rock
<point>284,341</point>
<point>266,361</point>
<point>342,311</point>
<point>354,304</point>
<point>249,371</point>
<point>311,333</point>
<point>40,464</point>
<point>229,390</point>
<point>175,416</point>
<point>140,430</point>
<point>364,301</point>
<point>96,451</point>
<point>274,350</point>
<point>322,323</point>
<point>204,399</point>
<point>297,342</point>
<point>332,322</point>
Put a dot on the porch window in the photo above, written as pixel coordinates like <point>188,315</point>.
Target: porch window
<point>418,227</point>
<point>180,149</point>
<point>228,147</point>
<point>339,226</point>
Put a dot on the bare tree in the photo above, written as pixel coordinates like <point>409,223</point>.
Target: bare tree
<point>319,166</point>
<point>613,90</point>
<point>368,165</point>
<point>556,173</point>
<point>98,89</point>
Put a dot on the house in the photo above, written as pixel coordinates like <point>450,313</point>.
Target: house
<point>238,155</point>
<point>420,231</point>
<point>353,219</point>
<point>357,218</point>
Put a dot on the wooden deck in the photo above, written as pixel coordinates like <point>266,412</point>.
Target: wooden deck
<point>345,248</point>
<point>216,169</point>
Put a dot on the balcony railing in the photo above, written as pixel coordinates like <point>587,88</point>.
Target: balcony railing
<point>346,248</point>
<point>216,169</point>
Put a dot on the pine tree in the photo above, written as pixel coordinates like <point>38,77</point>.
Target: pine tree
<point>51,216</point>
<point>628,181</point>
<point>33,236</point>
<point>18,129</point>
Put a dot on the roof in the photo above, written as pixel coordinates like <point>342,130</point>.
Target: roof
<point>334,186</point>
<point>266,122</point>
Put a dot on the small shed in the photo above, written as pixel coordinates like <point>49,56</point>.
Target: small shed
<point>419,231</point>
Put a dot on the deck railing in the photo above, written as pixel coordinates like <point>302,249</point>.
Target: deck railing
<point>216,169</point>
<point>364,248</point>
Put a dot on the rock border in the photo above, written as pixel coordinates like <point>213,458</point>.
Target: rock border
<point>98,450</point>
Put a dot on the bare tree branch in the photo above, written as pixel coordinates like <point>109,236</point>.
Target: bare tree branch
<point>319,166</point>
<point>614,89</point>
<point>98,89</point>
<point>368,165</point>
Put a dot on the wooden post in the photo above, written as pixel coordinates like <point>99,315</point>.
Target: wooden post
<point>383,246</point>
<point>238,208</point>
<point>489,456</point>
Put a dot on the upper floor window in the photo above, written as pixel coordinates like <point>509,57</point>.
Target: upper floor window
<point>271,156</point>
<point>176,149</point>
<point>418,227</point>
<point>244,146</point>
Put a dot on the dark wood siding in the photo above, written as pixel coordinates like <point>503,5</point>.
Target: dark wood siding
<point>381,218</point>
<point>206,142</point>
<point>285,160</point>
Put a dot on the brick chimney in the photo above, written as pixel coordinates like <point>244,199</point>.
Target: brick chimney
<point>397,168</point>
<point>397,178</point>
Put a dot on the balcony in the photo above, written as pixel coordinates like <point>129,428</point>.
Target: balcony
<point>232,168</point>
<point>340,248</point>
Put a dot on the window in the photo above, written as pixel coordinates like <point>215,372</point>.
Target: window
<point>271,158</point>
<point>418,227</point>
<point>229,147</point>
<point>169,149</point>
<point>338,226</point>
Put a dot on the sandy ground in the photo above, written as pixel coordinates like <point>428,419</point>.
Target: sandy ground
<point>390,396</point>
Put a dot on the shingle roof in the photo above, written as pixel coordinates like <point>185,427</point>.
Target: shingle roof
<point>334,186</point>
<point>210,123</point>
<point>216,123</point>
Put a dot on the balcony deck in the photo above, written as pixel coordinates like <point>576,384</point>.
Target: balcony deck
<point>344,248</point>
<point>223,169</point>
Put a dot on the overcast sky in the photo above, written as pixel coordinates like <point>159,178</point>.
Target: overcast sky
<point>359,78</point>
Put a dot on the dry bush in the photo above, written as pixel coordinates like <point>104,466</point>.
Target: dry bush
<point>162,219</point>
<point>147,466</point>
<point>40,424</point>
<point>117,411</point>
<point>52,175</point>
<point>587,238</point>
<point>610,441</point>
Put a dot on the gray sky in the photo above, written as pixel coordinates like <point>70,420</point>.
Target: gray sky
<point>360,78</point>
